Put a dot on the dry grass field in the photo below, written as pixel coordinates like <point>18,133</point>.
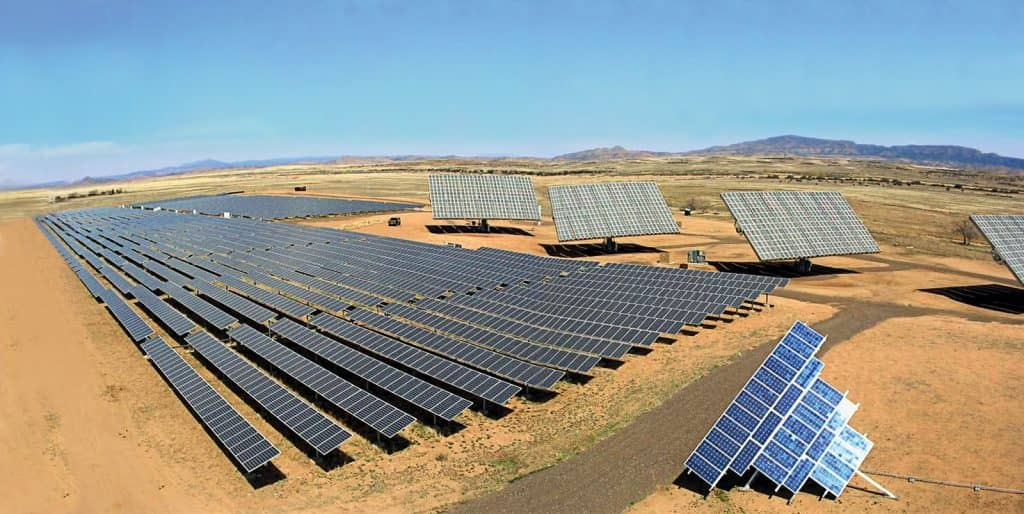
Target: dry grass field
<point>87,425</point>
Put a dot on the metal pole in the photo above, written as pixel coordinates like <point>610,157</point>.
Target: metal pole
<point>878,486</point>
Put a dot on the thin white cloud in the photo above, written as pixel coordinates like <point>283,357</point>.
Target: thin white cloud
<point>83,149</point>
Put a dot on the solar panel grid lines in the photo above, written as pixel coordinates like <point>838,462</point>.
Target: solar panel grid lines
<point>785,423</point>
<point>537,354</point>
<point>799,224</point>
<point>479,196</point>
<point>409,388</point>
<point>610,209</point>
<point>276,207</point>
<point>272,300</point>
<point>95,288</point>
<point>136,327</point>
<point>246,445</point>
<point>478,384</point>
<point>583,344</point>
<point>297,293</point>
<point>748,415</point>
<point>1006,235</point>
<point>509,368</point>
<point>165,273</point>
<point>559,323</point>
<point>233,302</point>
<point>206,311</point>
<point>375,413</point>
<point>312,427</point>
<point>170,317</point>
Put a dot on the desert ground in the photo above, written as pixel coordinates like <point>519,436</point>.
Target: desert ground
<point>88,425</point>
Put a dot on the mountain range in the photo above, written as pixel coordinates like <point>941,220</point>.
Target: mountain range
<point>788,145</point>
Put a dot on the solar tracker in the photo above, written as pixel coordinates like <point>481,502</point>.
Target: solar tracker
<point>310,425</point>
<point>379,415</point>
<point>276,207</point>
<point>422,394</point>
<point>611,209</point>
<point>244,443</point>
<point>786,423</point>
<point>1006,235</point>
<point>799,224</point>
<point>483,197</point>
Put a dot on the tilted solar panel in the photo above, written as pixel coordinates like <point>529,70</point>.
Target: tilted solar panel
<point>1006,234</point>
<point>478,196</point>
<point>377,414</point>
<point>786,423</point>
<point>310,425</point>
<point>799,224</point>
<point>244,443</point>
<point>612,209</point>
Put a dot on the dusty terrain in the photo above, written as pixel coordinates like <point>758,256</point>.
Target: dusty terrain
<point>89,426</point>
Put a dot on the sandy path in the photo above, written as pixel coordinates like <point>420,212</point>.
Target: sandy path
<point>53,398</point>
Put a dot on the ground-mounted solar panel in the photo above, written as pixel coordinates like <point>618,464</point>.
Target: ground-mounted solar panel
<point>483,197</point>
<point>422,394</point>
<point>377,414</point>
<point>244,443</point>
<point>1006,235</point>
<point>175,321</point>
<point>477,384</point>
<point>509,368</point>
<point>315,429</point>
<point>610,209</point>
<point>799,224</point>
<point>276,207</point>
<point>787,424</point>
<point>239,305</point>
<point>209,313</point>
<point>272,300</point>
<point>136,327</point>
<point>90,282</point>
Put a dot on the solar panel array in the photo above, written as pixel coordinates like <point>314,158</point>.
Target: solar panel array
<point>786,423</point>
<point>245,444</point>
<point>397,329</point>
<point>799,224</point>
<point>612,209</point>
<point>490,197</point>
<point>1006,235</point>
<point>284,406</point>
<point>276,207</point>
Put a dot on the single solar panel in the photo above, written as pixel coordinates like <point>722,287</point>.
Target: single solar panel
<point>1006,235</point>
<point>310,425</point>
<point>483,197</point>
<point>786,423</point>
<point>799,224</point>
<point>243,442</point>
<point>612,209</point>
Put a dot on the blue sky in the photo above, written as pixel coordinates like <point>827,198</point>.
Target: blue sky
<point>95,88</point>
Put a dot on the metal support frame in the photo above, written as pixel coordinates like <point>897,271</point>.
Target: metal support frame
<point>610,245</point>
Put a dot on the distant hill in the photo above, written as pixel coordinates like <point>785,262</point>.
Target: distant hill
<point>613,153</point>
<point>809,146</point>
<point>814,147</point>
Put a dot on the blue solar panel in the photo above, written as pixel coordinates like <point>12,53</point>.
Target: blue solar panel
<point>786,423</point>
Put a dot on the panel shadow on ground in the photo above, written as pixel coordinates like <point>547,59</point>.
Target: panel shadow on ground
<point>785,269</point>
<point>595,249</point>
<point>476,229</point>
<point>994,297</point>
